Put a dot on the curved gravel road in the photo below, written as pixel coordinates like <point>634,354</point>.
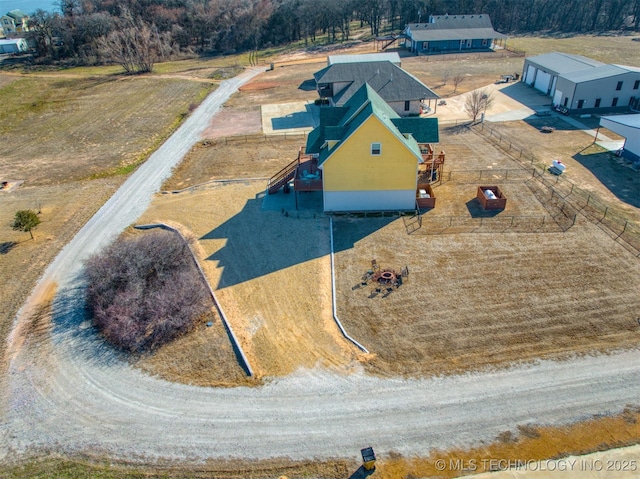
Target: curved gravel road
<point>69,394</point>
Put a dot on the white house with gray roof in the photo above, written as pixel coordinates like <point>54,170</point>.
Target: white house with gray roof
<point>583,85</point>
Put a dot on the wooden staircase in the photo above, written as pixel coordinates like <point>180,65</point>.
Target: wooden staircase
<point>282,177</point>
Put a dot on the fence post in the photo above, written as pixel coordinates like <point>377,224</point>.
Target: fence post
<point>588,198</point>
<point>506,174</point>
<point>605,213</point>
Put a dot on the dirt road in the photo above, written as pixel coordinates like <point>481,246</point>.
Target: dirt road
<point>67,393</point>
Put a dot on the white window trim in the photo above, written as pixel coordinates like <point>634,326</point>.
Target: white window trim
<point>379,148</point>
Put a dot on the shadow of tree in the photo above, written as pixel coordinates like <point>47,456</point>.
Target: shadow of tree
<point>7,246</point>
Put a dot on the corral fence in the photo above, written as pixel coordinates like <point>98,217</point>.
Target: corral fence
<point>439,225</point>
<point>257,138</point>
<point>567,195</point>
<point>516,175</point>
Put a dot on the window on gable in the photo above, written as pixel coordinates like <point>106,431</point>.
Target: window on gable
<point>619,86</point>
<point>598,100</point>
<point>614,102</point>
<point>376,149</point>
<point>636,85</point>
<point>407,105</point>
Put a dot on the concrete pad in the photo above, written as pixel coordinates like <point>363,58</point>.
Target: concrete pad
<point>511,101</point>
<point>308,202</point>
<point>623,463</point>
<point>294,118</point>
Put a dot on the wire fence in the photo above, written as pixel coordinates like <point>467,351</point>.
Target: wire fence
<point>256,138</point>
<point>516,175</point>
<point>566,195</point>
<point>438,225</point>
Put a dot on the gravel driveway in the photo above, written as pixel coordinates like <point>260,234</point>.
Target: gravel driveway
<point>67,393</point>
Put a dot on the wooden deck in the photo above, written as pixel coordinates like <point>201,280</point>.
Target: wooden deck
<point>308,176</point>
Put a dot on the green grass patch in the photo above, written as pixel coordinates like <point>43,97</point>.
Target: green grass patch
<point>607,49</point>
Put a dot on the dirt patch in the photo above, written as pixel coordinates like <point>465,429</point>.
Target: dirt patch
<point>232,122</point>
<point>290,85</point>
<point>258,86</point>
<point>239,157</point>
<point>475,71</point>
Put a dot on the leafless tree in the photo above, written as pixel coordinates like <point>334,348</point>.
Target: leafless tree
<point>135,45</point>
<point>457,79</point>
<point>445,76</point>
<point>478,101</point>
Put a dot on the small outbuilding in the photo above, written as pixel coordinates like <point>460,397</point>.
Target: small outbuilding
<point>13,45</point>
<point>627,126</point>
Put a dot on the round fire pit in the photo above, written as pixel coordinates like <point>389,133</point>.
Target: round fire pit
<point>386,277</point>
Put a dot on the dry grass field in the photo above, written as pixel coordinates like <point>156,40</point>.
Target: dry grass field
<point>60,130</point>
<point>271,274</point>
<point>72,136</point>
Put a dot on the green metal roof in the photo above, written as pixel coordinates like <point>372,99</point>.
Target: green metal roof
<point>340,123</point>
<point>424,130</point>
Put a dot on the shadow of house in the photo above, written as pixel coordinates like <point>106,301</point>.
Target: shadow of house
<point>299,119</point>
<point>622,181</point>
<point>307,85</point>
<point>260,242</point>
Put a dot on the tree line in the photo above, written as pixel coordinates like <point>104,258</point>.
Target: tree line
<point>135,33</point>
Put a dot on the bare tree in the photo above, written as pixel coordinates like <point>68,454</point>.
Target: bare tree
<point>478,101</point>
<point>457,79</point>
<point>445,76</point>
<point>136,45</point>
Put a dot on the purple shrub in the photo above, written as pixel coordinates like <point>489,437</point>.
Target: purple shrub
<point>146,291</point>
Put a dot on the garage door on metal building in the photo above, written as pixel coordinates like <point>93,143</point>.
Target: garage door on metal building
<point>531,74</point>
<point>542,81</point>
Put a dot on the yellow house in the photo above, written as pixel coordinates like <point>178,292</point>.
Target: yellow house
<point>367,156</point>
